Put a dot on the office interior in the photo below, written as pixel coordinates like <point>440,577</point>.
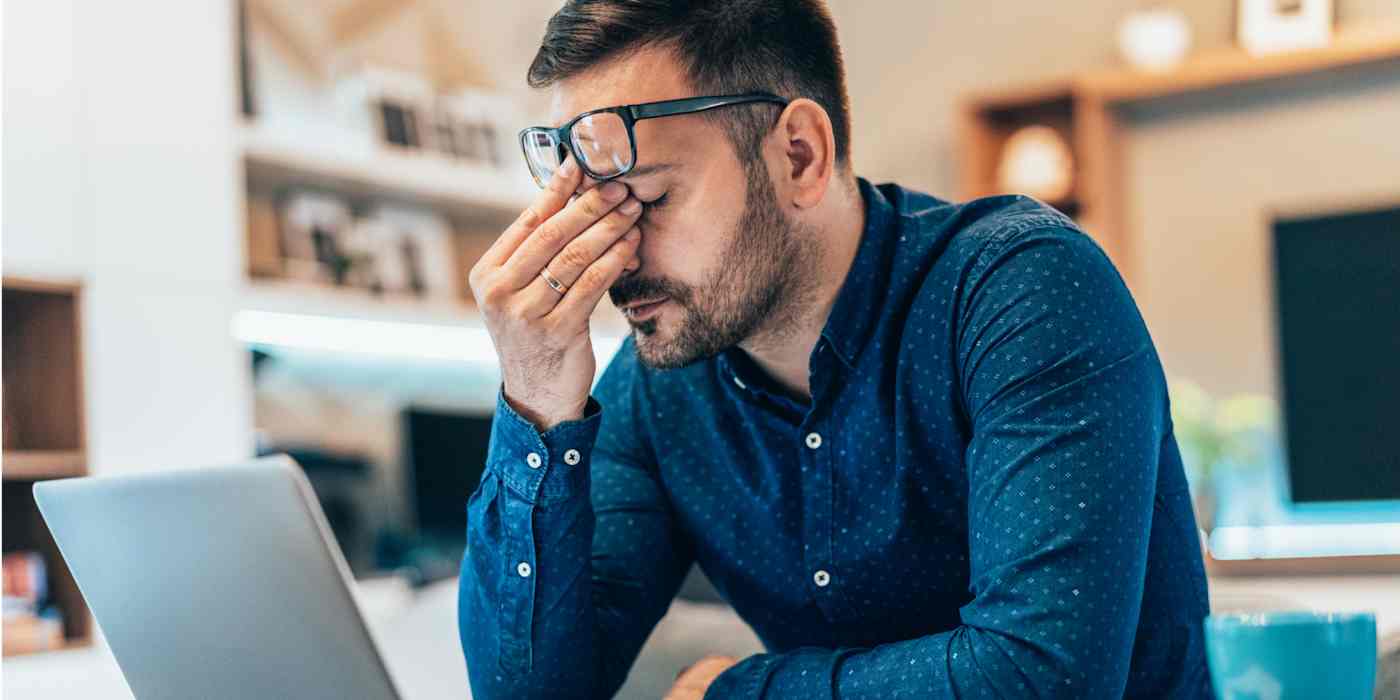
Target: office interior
<point>235,228</point>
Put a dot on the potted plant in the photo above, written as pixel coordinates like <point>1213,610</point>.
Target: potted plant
<point>1215,436</point>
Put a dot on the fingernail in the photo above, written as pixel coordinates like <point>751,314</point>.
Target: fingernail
<point>567,169</point>
<point>630,206</point>
<point>614,191</point>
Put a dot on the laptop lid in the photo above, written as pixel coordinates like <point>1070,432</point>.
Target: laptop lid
<point>219,582</point>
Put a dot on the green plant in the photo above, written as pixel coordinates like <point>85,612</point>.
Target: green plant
<point>1213,433</point>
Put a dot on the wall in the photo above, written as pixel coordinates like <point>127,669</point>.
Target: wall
<point>120,172</point>
<point>1200,172</point>
<point>1203,173</point>
<point>1204,283</point>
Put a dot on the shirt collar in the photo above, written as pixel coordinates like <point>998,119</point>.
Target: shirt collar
<point>856,311</point>
<point>858,306</point>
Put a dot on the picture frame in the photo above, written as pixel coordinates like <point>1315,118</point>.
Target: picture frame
<point>1270,26</point>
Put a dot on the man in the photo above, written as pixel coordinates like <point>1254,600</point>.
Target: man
<point>923,448</point>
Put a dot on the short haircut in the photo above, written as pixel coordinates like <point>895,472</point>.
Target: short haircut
<point>786,47</point>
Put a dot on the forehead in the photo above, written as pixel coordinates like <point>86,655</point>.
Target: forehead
<point>646,75</point>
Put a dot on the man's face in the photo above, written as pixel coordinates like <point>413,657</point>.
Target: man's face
<point>716,243</point>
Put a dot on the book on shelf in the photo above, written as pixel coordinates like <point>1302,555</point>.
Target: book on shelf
<point>25,583</point>
<point>30,623</point>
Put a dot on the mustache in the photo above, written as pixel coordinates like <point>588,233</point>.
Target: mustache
<point>634,289</point>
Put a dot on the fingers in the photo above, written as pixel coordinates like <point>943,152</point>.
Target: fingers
<point>596,207</point>
<point>555,196</point>
<point>585,293</point>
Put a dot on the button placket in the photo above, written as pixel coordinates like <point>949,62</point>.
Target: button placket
<point>816,452</point>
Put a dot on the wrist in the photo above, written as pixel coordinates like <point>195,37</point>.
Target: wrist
<point>544,421</point>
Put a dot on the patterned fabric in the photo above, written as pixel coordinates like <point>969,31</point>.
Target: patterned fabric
<point>983,497</point>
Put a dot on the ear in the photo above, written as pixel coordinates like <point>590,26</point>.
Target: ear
<point>808,152</point>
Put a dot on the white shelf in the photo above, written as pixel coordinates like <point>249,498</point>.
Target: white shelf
<point>276,157</point>
<point>315,317</point>
<point>311,299</point>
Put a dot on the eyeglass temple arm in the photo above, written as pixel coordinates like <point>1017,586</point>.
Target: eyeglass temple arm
<point>699,104</point>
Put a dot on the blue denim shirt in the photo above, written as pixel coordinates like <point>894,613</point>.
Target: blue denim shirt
<point>983,497</point>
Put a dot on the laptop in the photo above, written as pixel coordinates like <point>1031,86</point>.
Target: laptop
<point>219,582</point>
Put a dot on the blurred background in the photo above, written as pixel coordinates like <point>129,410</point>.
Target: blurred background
<point>241,228</point>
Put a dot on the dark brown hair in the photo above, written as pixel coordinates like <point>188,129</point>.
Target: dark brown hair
<point>786,47</point>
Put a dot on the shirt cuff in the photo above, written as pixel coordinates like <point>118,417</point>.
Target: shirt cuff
<point>805,672</point>
<point>542,467</point>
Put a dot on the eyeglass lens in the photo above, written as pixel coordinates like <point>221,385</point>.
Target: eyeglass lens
<point>600,142</point>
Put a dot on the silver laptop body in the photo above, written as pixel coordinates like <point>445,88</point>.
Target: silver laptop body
<point>219,582</point>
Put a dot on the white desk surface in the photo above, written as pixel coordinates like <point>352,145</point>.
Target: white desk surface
<point>418,634</point>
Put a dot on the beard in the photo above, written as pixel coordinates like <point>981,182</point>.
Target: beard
<point>767,268</point>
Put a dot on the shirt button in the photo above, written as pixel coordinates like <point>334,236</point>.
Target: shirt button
<point>814,440</point>
<point>740,383</point>
<point>523,568</point>
<point>571,457</point>
<point>533,459</point>
<point>821,578</point>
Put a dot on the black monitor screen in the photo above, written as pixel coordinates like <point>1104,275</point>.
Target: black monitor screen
<point>1337,290</point>
<point>446,454</point>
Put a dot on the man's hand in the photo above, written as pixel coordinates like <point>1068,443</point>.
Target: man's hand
<point>541,335</point>
<point>693,680</point>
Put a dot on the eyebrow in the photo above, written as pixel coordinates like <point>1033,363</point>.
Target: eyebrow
<point>649,169</point>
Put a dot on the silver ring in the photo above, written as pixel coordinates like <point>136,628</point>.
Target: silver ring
<point>554,284</point>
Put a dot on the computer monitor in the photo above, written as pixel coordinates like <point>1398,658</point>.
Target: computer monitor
<point>445,454</point>
<point>1337,295</point>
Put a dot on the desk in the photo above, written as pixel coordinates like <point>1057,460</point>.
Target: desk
<point>417,633</point>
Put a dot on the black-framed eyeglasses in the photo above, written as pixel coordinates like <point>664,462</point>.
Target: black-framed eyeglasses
<point>602,140</point>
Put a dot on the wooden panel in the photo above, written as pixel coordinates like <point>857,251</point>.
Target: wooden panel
<point>1303,566</point>
<point>1352,47</point>
<point>43,464</point>
<point>42,371</point>
<point>25,530</point>
<point>1100,179</point>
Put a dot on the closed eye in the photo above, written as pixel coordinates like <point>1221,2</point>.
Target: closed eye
<point>659,202</point>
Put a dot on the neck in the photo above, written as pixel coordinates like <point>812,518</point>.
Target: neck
<point>784,347</point>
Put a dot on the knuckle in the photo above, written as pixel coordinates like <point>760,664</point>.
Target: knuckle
<point>493,297</point>
<point>574,257</point>
<point>594,277</point>
<point>530,218</point>
<point>551,234</point>
<point>592,206</point>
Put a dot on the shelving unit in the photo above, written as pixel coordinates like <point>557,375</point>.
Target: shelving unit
<point>44,432</point>
<point>276,158</point>
<point>479,201</point>
<point>1086,110</point>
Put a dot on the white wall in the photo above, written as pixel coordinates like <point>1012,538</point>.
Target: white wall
<point>1203,173</point>
<point>120,170</point>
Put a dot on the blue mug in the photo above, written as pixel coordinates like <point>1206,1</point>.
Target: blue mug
<point>1292,654</point>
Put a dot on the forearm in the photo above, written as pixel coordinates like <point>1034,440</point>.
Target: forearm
<point>964,662</point>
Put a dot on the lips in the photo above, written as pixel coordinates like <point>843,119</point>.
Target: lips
<point>638,311</point>
<point>638,304</point>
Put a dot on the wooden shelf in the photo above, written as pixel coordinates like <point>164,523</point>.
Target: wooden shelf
<point>275,159</point>
<point>1085,108</point>
<point>1234,66</point>
<point>44,433</point>
<point>43,464</point>
<point>69,643</point>
<point>1303,566</point>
